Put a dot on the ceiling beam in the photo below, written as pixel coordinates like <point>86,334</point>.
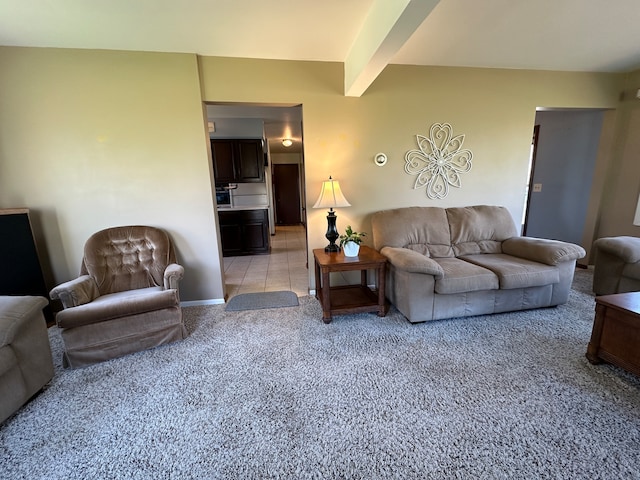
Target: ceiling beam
<point>388,25</point>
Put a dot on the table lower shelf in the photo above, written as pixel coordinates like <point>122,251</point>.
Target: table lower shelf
<point>353,299</point>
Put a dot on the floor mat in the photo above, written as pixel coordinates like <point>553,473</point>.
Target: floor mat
<point>256,301</point>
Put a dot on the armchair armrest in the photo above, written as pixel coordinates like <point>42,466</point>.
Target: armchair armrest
<point>78,291</point>
<point>411,261</point>
<point>626,249</point>
<point>551,252</point>
<point>172,275</point>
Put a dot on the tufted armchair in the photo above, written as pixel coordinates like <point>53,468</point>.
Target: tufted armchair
<point>125,299</point>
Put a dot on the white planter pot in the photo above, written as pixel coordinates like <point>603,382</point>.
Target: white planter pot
<point>351,249</point>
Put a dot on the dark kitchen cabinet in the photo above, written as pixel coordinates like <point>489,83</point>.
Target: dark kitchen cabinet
<point>244,232</point>
<point>237,161</point>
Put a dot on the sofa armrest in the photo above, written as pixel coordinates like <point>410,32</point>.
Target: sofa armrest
<point>626,249</point>
<point>551,252</point>
<point>78,291</point>
<point>16,312</point>
<point>413,262</point>
<point>172,275</point>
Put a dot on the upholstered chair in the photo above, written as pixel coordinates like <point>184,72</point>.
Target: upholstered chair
<point>617,265</point>
<point>126,298</point>
<point>25,355</point>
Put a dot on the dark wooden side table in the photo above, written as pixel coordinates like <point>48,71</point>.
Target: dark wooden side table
<point>616,331</point>
<point>350,298</point>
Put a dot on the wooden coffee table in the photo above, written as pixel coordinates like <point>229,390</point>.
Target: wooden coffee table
<point>616,331</point>
<point>350,298</point>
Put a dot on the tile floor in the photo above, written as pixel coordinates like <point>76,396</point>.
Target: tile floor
<point>283,269</point>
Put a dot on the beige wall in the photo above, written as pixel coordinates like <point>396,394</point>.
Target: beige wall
<point>92,139</point>
<point>97,138</point>
<point>622,182</point>
<point>494,109</point>
<point>284,158</point>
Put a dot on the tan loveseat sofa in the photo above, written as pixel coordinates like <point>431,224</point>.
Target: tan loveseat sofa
<point>457,262</point>
<point>25,354</point>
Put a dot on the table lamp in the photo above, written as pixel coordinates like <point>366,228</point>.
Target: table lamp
<point>331,196</point>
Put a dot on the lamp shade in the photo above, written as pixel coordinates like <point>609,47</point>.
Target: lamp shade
<point>331,195</point>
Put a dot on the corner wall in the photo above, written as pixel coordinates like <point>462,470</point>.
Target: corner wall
<point>93,139</point>
<point>622,182</point>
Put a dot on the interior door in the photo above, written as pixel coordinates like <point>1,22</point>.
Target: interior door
<point>565,156</point>
<point>286,188</point>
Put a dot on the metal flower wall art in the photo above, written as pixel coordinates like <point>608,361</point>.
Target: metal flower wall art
<point>439,162</point>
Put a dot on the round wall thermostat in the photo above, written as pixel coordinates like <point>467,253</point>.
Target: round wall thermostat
<point>380,159</point>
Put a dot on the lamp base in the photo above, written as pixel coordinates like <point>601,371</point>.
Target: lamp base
<point>332,248</point>
<point>332,233</point>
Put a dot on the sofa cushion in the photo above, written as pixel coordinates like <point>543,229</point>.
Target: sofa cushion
<point>479,229</point>
<point>516,272</point>
<point>422,229</point>
<point>461,276</point>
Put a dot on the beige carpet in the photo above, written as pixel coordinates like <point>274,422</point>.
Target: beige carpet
<point>277,394</point>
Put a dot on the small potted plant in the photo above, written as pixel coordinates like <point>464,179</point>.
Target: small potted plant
<point>350,242</point>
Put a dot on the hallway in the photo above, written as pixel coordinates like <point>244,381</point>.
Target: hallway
<point>283,269</point>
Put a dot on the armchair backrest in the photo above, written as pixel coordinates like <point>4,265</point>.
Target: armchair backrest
<point>127,258</point>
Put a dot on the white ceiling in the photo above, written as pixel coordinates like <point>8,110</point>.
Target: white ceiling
<point>577,35</point>
<point>570,35</point>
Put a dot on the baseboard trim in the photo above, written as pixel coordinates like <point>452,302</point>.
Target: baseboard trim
<point>198,303</point>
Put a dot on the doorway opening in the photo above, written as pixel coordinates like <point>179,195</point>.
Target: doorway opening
<point>286,194</point>
<point>529,186</point>
<point>281,195</point>
<point>564,151</point>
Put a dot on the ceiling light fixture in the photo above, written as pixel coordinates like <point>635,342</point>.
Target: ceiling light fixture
<point>287,142</point>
